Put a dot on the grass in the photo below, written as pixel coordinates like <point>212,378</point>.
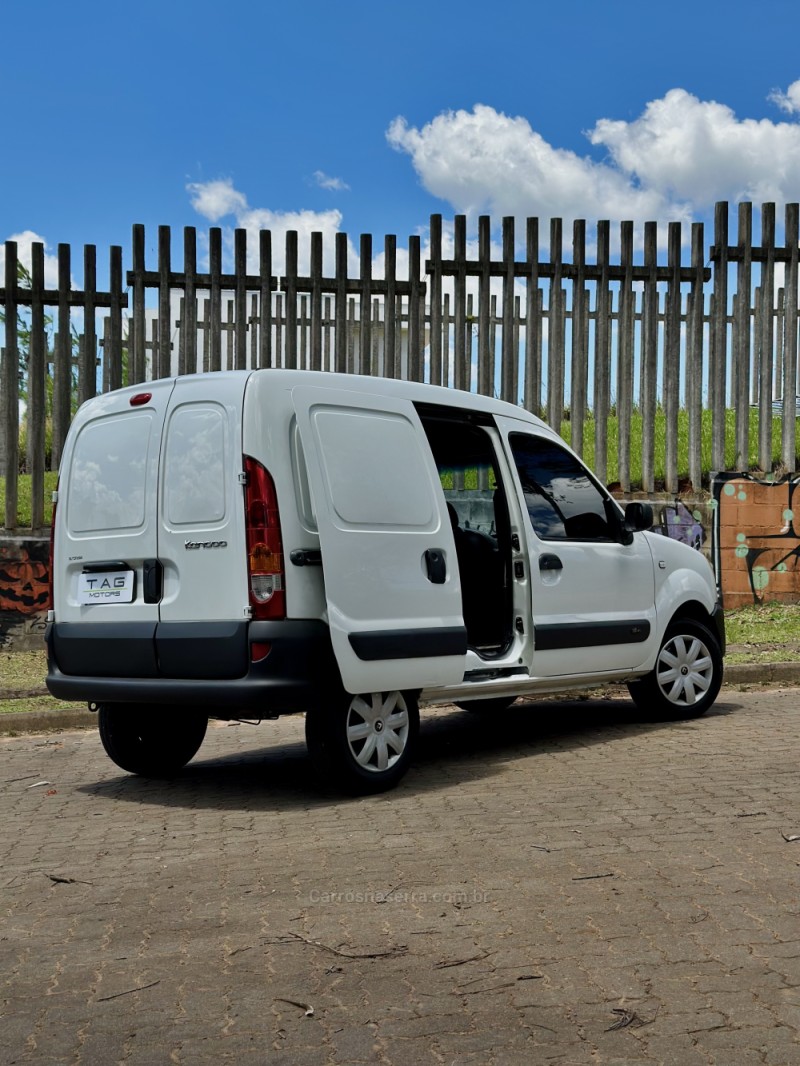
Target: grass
<point>23,672</point>
<point>24,499</point>
<point>759,634</point>
<point>732,461</point>
<point>763,633</point>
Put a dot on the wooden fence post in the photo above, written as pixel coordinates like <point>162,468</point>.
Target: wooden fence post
<point>789,425</point>
<point>10,396</point>
<point>532,399</point>
<point>742,328</point>
<point>579,368</point>
<point>35,415</point>
<point>509,373</point>
<point>672,358</point>
<point>649,356</point>
<point>765,329</point>
<point>625,350</point>
<point>694,356</point>
<point>555,330</point>
<point>602,351</point>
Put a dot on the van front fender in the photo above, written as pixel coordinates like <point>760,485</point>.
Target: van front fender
<point>687,593</point>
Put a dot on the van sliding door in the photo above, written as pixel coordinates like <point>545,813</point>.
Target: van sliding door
<point>389,559</point>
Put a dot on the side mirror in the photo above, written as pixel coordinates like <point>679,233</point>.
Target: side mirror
<point>638,516</point>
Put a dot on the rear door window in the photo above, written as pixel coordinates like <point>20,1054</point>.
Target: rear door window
<point>109,468</point>
<point>195,466</point>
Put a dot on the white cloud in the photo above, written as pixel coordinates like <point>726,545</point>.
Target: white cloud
<point>483,161</point>
<point>670,164</point>
<point>699,151</point>
<point>788,101</point>
<point>215,199</point>
<point>25,240</point>
<point>328,223</point>
<point>326,182</point>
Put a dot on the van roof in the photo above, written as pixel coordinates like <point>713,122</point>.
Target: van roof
<point>415,391</point>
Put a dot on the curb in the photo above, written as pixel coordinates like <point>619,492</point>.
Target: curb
<point>56,720</point>
<point>46,721</point>
<point>762,674</point>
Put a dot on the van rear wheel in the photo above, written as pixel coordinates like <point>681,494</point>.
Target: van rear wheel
<point>365,743</point>
<point>149,740</point>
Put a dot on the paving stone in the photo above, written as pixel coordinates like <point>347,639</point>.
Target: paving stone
<point>195,886</point>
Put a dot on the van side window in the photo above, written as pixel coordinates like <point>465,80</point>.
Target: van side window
<point>563,500</point>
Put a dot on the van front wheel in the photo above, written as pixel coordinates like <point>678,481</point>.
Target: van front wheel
<point>687,675</point>
<point>364,743</point>
<point>150,741</point>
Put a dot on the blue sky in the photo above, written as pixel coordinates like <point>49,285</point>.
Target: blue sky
<point>368,117</point>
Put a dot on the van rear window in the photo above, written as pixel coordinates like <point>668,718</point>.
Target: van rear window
<point>194,467</point>
<point>107,481</point>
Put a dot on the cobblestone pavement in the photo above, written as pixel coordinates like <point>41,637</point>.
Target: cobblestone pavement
<point>564,884</point>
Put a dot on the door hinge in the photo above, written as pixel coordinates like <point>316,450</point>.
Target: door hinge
<point>242,477</point>
<point>519,625</point>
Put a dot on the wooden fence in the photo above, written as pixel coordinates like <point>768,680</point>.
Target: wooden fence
<point>643,327</point>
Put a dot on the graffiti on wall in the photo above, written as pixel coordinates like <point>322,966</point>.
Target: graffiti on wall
<point>756,543</point>
<point>23,588</point>
<point>675,520</point>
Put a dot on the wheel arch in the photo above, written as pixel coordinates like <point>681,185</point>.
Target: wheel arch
<point>698,612</point>
<point>687,593</point>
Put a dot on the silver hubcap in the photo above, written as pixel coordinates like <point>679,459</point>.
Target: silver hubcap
<point>684,670</point>
<point>377,729</point>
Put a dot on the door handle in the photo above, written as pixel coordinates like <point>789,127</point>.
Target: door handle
<point>550,562</point>
<point>306,557</point>
<point>152,580</point>
<point>436,566</point>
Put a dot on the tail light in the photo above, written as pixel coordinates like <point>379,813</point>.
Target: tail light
<point>264,544</point>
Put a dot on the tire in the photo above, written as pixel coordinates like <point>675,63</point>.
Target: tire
<point>364,744</point>
<point>151,741</point>
<point>687,675</point>
<point>495,705</point>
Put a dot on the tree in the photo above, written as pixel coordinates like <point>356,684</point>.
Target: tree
<point>24,337</point>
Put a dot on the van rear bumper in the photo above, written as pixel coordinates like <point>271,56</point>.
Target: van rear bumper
<point>298,669</point>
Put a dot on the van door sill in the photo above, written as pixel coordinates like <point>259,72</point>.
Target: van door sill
<point>491,672</point>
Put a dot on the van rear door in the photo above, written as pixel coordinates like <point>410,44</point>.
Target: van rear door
<point>204,607</point>
<point>106,546</point>
<point>389,559</point>
<point>152,571</point>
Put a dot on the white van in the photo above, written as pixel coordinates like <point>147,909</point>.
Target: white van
<point>250,544</point>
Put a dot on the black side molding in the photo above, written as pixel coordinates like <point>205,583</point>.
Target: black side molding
<point>578,635</point>
<point>409,643</point>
